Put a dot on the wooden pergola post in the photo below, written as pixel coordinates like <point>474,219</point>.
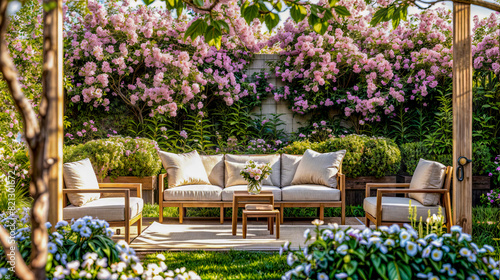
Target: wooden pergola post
<point>53,51</point>
<point>462,114</point>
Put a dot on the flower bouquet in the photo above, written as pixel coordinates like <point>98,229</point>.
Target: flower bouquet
<point>254,173</point>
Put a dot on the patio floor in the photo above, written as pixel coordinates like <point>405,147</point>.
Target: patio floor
<point>208,234</point>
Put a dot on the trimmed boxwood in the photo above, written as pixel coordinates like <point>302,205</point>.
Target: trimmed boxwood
<point>118,156</point>
<point>366,156</point>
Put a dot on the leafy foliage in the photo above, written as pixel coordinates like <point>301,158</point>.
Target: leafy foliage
<point>118,156</point>
<point>366,156</point>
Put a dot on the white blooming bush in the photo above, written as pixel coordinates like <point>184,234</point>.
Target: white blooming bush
<point>83,249</point>
<point>389,253</point>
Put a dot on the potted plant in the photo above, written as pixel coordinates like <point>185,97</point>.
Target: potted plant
<point>254,173</point>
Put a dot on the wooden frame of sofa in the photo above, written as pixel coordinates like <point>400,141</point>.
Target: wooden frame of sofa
<point>120,189</point>
<point>182,204</point>
<point>396,188</point>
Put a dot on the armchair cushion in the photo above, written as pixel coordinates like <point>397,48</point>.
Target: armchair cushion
<point>274,160</point>
<point>318,169</point>
<point>80,175</point>
<point>184,169</point>
<point>214,166</point>
<point>234,177</point>
<point>227,193</point>
<point>289,164</point>
<point>109,209</point>
<point>310,193</point>
<point>193,193</point>
<point>428,175</point>
<point>396,209</point>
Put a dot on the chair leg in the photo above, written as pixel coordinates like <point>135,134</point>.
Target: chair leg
<point>244,225</point>
<point>161,211</point>
<point>127,232</point>
<point>277,226</point>
<point>367,221</point>
<point>282,208</point>
<point>271,225</point>
<point>139,226</point>
<point>181,214</point>
<point>222,214</point>
<point>322,212</point>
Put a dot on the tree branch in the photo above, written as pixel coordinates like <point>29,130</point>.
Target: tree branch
<point>10,248</point>
<point>486,4</point>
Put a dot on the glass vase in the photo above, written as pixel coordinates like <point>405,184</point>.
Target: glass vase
<point>254,187</point>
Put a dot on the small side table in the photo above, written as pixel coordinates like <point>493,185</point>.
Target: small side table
<point>269,214</point>
<point>240,198</point>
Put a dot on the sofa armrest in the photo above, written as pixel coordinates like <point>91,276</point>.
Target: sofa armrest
<point>370,186</point>
<point>132,186</point>
<point>161,185</point>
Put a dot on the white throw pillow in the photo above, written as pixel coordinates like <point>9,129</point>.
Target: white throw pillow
<point>428,175</point>
<point>234,177</point>
<point>80,175</point>
<point>318,169</point>
<point>214,166</point>
<point>184,169</point>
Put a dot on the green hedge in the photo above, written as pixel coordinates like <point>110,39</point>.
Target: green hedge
<point>412,152</point>
<point>366,156</point>
<point>118,156</point>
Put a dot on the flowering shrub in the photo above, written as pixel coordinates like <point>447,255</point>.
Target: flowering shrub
<point>495,170</point>
<point>84,249</point>
<point>254,173</point>
<point>492,198</point>
<point>389,253</point>
<point>142,56</point>
<point>367,72</point>
<point>118,156</point>
<point>366,156</point>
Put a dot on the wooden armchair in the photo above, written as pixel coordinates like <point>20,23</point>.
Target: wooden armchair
<point>110,206</point>
<point>383,210</point>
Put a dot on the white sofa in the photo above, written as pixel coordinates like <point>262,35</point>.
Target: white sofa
<point>219,193</point>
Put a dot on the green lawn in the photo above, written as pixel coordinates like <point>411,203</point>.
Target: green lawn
<point>228,264</point>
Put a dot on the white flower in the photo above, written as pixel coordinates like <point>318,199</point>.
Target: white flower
<point>323,276</point>
<point>74,265</point>
<point>389,242</point>
<point>60,272</point>
<point>432,277</point>
<point>342,249</point>
<point>306,233</point>
<point>452,272</point>
<point>318,222</point>
<point>456,229</point>
<point>426,252</point>
<point>339,236</point>
<point>137,268</point>
<point>473,277</point>
<point>472,257</point>
<point>102,262</point>
<point>291,258</point>
<point>464,252</point>
<point>404,235</point>
<point>489,248</point>
<point>85,232</point>
<point>103,274</point>
<point>436,255</point>
<point>161,257</point>
<point>411,249</point>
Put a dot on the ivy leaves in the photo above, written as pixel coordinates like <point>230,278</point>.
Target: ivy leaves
<point>211,27</point>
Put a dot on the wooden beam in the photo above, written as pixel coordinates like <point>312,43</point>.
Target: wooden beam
<point>462,114</point>
<point>54,79</point>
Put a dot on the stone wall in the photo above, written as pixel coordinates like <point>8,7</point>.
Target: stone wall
<point>270,106</point>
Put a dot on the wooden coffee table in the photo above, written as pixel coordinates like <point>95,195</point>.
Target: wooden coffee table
<point>240,198</point>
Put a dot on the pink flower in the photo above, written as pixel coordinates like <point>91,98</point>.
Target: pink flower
<point>183,134</point>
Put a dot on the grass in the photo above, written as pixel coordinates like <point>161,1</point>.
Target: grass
<point>152,210</point>
<point>228,264</point>
<point>486,227</point>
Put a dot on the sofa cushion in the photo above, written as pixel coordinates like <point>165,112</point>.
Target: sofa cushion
<point>184,169</point>
<point>109,209</point>
<point>274,160</point>
<point>80,175</point>
<point>234,177</point>
<point>227,193</point>
<point>309,193</point>
<point>214,166</point>
<point>318,169</point>
<point>427,175</point>
<point>395,209</point>
<point>193,192</point>
<point>289,165</point>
